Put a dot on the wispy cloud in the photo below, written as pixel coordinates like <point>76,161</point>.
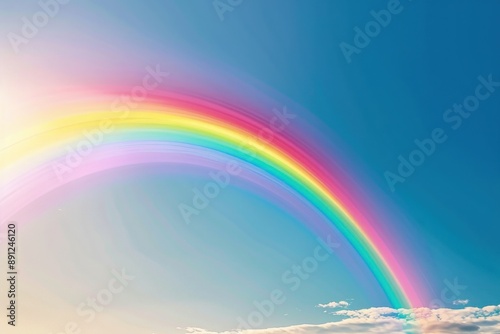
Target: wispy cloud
<point>485,320</point>
<point>461,302</point>
<point>340,304</point>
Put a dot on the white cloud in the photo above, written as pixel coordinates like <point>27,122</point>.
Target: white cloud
<point>485,320</point>
<point>339,304</point>
<point>461,302</point>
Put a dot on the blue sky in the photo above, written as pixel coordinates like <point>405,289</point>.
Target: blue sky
<point>395,91</point>
<point>372,108</point>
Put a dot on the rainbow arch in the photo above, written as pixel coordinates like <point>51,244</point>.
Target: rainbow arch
<point>28,162</point>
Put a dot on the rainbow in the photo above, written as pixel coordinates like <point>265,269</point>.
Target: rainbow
<point>29,159</point>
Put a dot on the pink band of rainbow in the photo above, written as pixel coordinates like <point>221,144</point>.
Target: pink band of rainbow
<point>28,167</point>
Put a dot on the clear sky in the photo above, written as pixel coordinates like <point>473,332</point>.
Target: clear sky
<point>427,79</point>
